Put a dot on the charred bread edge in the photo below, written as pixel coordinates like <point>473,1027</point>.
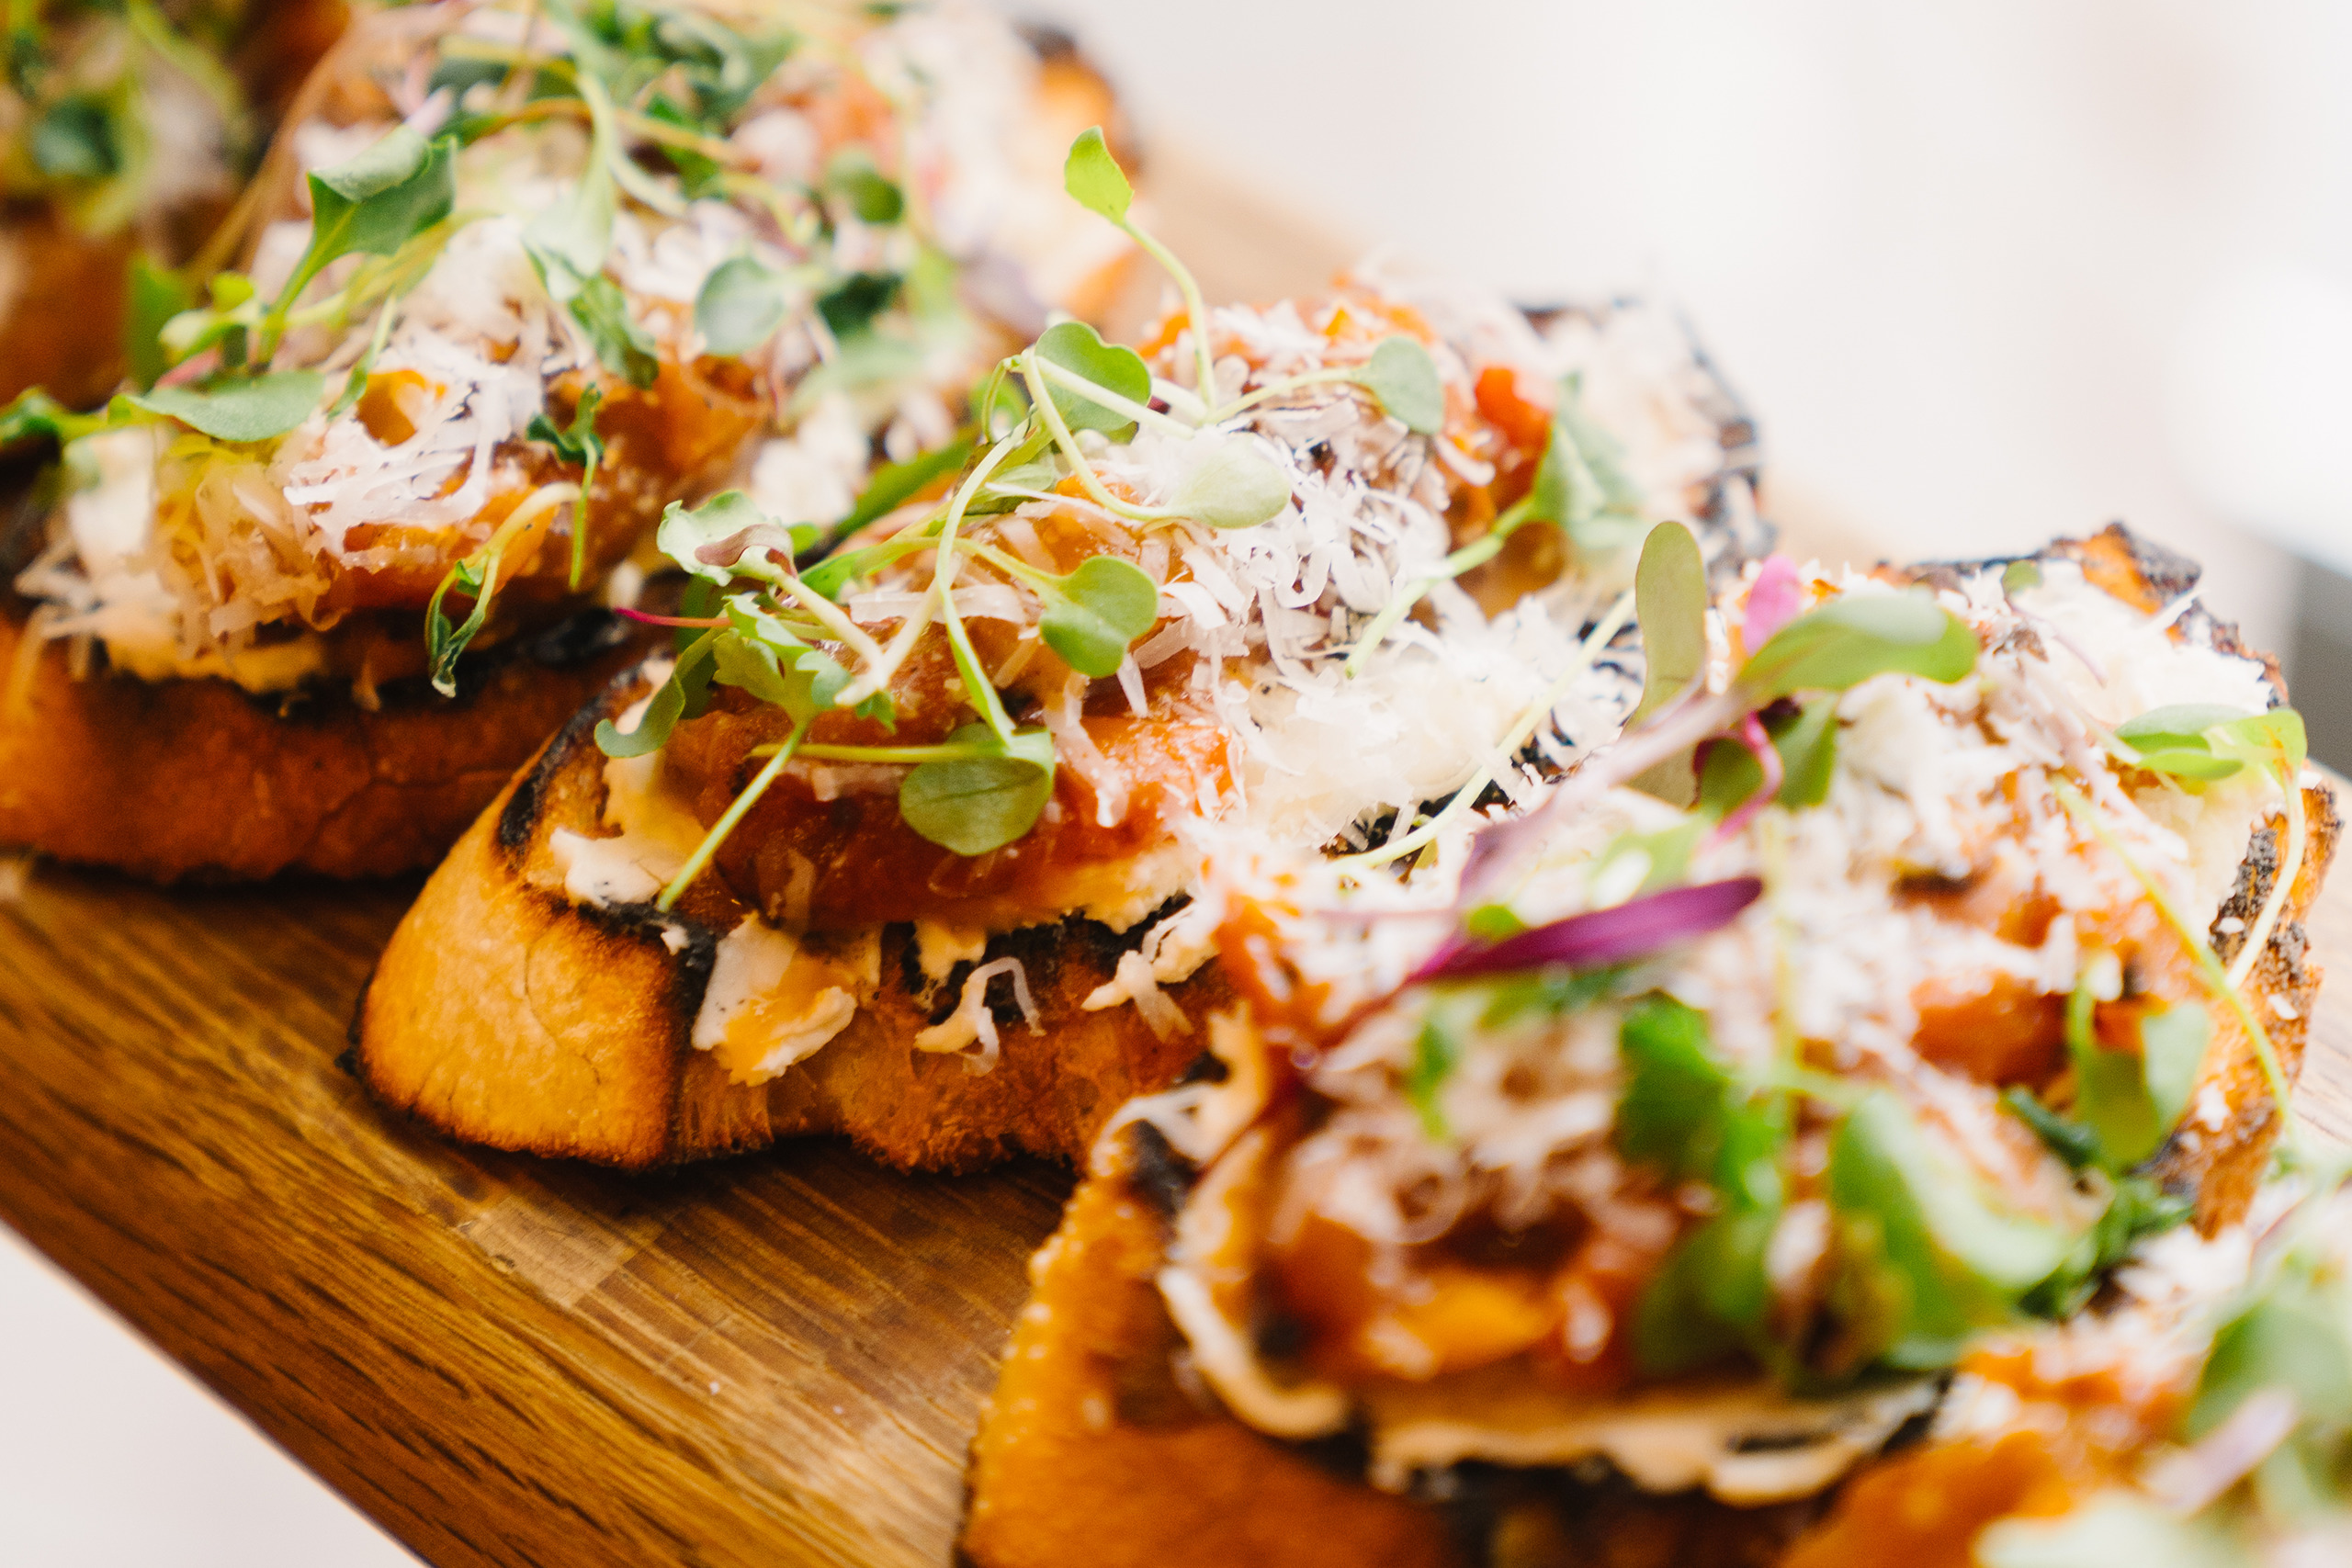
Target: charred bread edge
<point>116,772</point>
<point>1469,1502</point>
<point>655,1101</point>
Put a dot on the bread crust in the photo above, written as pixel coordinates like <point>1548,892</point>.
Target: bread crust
<point>198,780</point>
<point>503,1013</point>
<point>1071,1467</point>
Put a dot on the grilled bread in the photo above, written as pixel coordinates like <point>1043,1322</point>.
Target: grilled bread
<point>944,1006</point>
<point>362,469</point>
<point>1116,1435</point>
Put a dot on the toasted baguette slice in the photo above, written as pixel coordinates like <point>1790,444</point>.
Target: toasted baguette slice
<point>1101,1445</point>
<point>197,779</point>
<point>570,1031</point>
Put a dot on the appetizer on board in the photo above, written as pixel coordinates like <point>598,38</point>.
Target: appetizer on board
<point>898,842</point>
<point>524,273</point>
<point>126,131</point>
<point>1630,1182</point>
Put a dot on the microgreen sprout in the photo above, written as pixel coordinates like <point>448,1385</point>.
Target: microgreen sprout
<point>576,443</point>
<point>1094,180</point>
<point>477,576</point>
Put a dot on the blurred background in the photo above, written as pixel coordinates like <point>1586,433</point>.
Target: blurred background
<point>1984,273</point>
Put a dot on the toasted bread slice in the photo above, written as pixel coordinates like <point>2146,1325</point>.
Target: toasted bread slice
<point>569,1034</point>
<point>1098,1448</point>
<point>1102,1446</point>
<point>198,779</point>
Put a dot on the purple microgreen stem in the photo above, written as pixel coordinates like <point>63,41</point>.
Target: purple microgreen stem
<point>1618,935</point>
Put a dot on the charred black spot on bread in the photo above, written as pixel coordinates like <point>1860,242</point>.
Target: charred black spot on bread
<point>1206,1067</point>
<point>521,816</point>
<point>574,640</point>
<point>1155,1170</point>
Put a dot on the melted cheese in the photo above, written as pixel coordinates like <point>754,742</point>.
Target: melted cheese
<point>771,1003</point>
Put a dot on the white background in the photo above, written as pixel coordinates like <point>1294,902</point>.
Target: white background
<point>1985,272</point>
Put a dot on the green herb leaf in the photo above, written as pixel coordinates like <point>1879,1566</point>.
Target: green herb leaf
<point>568,241</point>
<point>2198,766</point>
<point>1492,922</point>
<point>2137,1209</point>
<point>2020,575</point>
<point>2291,1336</point>
<point>76,139</point>
<point>2130,1099</point>
<point>1095,613</point>
<point>240,408</point>
<point>1850,639</point>
<point>1093,178</point>
<point>2070,1141</point>
<point>1436,1052</point>
<point>2180,727</point>
<point>1230,482</point>
<point>1808,748</point>
<point>1080,349</point>
<point>578,442</point>
<point>373,204</point>
<point>775,666</point>
<point>1670,606</point>
<point>853,177</point>
<point>741,304</point>
<point>691,673</point>
<point>623,347</point>
<point>2274,739</point>
<point>1712,1295</point>
<point>1672,1109</point>
<point>1927,1256</point>
<point>973,805</point>
<point>894,484</point>
<point>849,306</point>
<point>35,414</point>
<point>698,176</point>
<point>1401,374</point>
<point>685,530</point>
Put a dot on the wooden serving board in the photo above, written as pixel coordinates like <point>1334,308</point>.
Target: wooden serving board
<point>774,1359</point>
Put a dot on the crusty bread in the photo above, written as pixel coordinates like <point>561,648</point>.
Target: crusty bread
<point>1100,1448</point>
<point>504,1014</point>
<point>197,779</point>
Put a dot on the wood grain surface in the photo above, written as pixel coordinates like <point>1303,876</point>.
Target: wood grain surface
<point>779,1360</point>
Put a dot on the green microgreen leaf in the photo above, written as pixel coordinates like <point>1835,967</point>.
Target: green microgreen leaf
<point>2275,738</point>
<point>2136,1210</point>
<point>1095,613</point>
<point>1230,482</point>
<point>2291,1335</point>
<point>1670,606</point>
<point>240,408</point>
<point>849,306</point>
<point>2020,575</point>
<point>974,804</point>
<point>1401,374</point>
<point>1436,1052</point>
<point>2180,727</point>
<point>691,670</point>
<point>576,443</point>
<point>2130,1099</point>
<point>1671,1110</point>
<point>34,414</point>
<point>894,484</point>
<point>761,656</point>
<point>1808,748</point>
<point>568,241</point>
<point>1080,349</point>
<point>1854,637</point>
<point>685,530</point>
<point>625,348</point>
<point>698,176</point>
<point>373,204</point>
<point>76,139</point>
<point>1926,1254</point>
<point>1492,922</point>
<point>1094,180</point>
<point>741,304</point>
<point>2070,1141</point>
<point>853,179</point>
